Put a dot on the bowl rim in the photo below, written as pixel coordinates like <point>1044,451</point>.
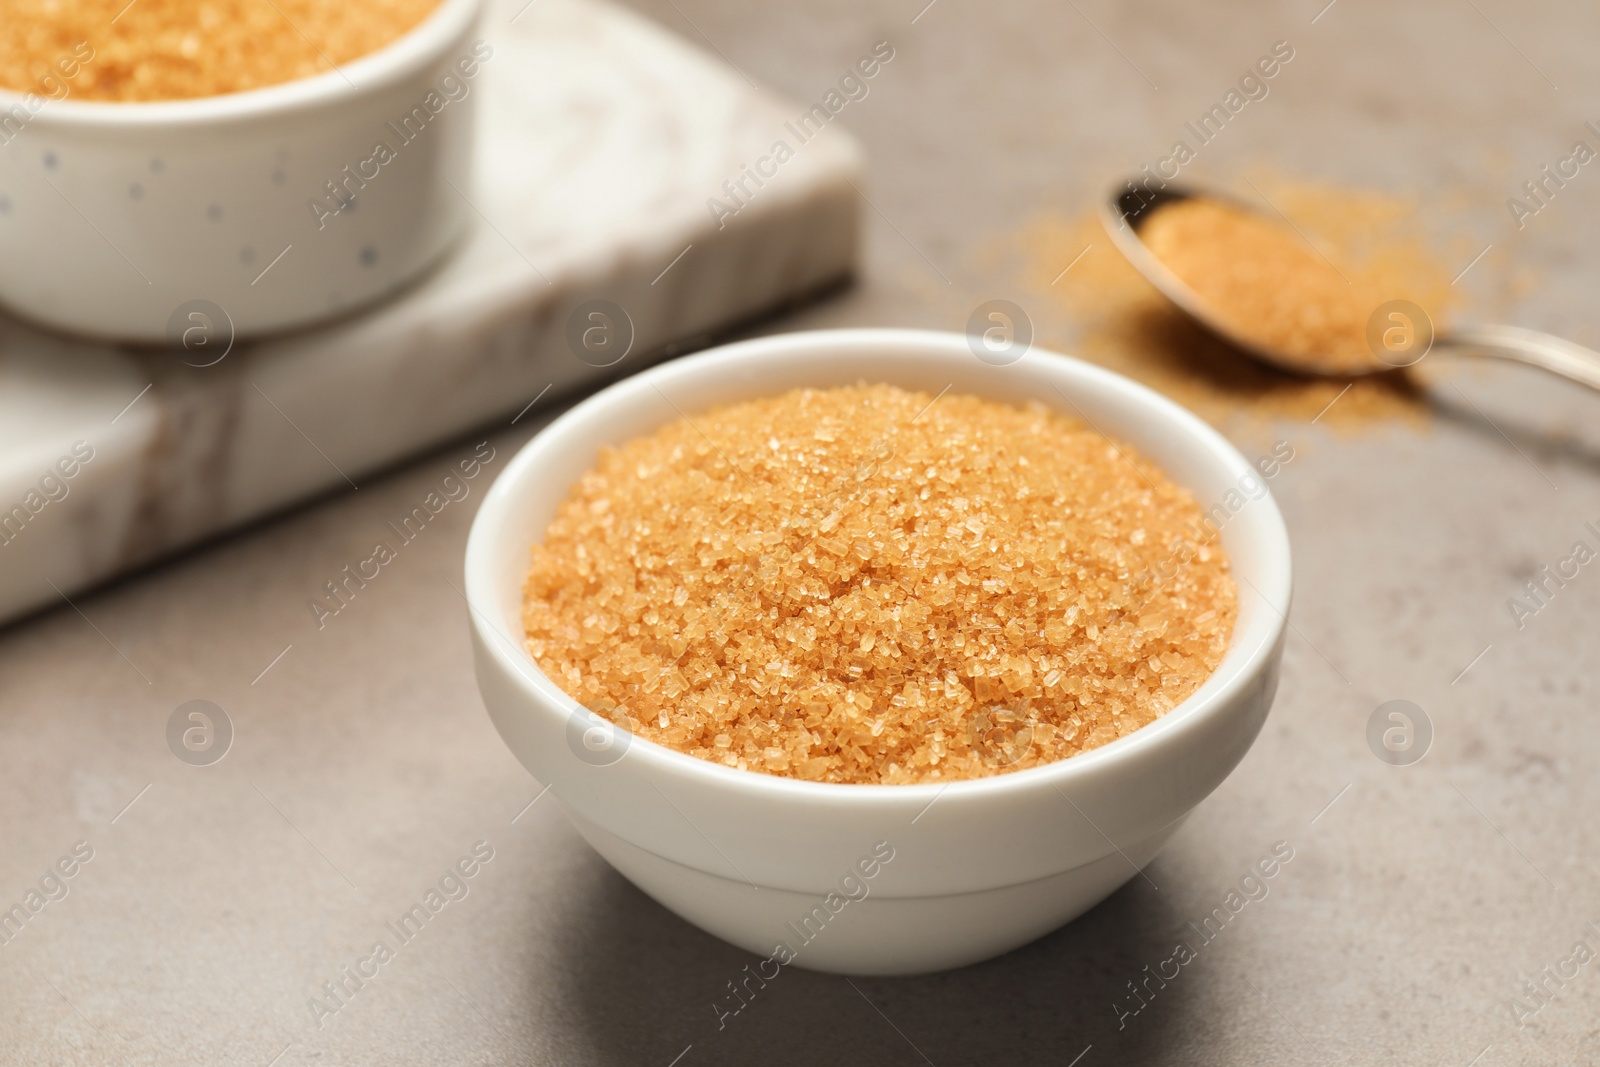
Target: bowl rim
<point>547,697</point>
<point>363,76</point>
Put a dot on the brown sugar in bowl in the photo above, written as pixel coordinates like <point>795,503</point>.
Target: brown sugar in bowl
<point>979,865</point>
<point>874,585</point>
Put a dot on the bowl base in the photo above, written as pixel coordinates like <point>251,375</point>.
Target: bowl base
<point>878,934</point>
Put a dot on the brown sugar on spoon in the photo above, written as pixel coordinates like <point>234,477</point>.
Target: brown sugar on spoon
<point>873,585</point>
<point>1267,284</point>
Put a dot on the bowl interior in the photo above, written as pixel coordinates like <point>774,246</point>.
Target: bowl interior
<point>524,499</point>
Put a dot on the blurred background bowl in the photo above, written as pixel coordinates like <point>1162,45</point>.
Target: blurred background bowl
<point>125,221</point>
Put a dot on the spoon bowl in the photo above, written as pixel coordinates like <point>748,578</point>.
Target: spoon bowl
<point>1130,206</point>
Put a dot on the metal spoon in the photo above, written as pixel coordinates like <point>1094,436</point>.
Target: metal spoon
<point>1128,208</point>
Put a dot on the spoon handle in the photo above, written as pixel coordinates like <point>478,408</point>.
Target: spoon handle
<point>1542,350</point>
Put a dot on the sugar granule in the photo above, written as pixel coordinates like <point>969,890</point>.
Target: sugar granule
<point>872,585</point>
<point>181,49</point>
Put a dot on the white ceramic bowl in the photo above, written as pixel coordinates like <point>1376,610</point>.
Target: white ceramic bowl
<point>979,866</point>
<point>119,219</point>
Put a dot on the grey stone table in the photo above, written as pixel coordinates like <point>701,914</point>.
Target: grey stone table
<point>1432,913</point>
